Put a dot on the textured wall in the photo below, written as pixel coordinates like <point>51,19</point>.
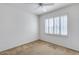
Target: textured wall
<point>72,40</point>
<point>16,26</point>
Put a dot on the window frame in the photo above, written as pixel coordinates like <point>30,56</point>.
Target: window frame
<point>59,26</point>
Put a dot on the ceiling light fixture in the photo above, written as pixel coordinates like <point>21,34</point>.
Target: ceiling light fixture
<point>43,6</point>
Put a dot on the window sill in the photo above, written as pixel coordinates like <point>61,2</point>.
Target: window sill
<point>56,35</point>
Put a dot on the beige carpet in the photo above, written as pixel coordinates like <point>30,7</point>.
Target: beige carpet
<point>39,48</point>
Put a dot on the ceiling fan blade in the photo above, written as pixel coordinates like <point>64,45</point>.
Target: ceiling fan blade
<point>47,4</point>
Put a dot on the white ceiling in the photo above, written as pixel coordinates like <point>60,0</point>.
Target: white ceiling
<point>35,9</point>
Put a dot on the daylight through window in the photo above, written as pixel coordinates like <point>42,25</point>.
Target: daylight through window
<point>56,25</point>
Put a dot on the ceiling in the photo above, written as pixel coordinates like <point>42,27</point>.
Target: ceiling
<point>35,9</point>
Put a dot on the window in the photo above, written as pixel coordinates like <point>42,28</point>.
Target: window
<point>46,26</point>
<point>51,25</point>
<point>56,25</point>
<point>64,25</point>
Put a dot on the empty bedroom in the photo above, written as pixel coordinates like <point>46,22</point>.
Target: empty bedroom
<point>39,29</point>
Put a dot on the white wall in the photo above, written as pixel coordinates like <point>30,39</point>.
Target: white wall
<point>16,27</point>
<point>72,40</point>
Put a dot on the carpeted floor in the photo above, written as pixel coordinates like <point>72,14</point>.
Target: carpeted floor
<point>39,48</point>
